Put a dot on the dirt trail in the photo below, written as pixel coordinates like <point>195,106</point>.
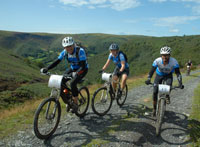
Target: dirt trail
<point>128,126</point>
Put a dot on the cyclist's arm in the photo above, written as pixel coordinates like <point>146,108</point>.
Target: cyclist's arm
<point>123,66</point>
<point>106,65</point>
<point>178,74</point>
<point>54,64</point>
<point>82,65</point>
<point>153,69</point>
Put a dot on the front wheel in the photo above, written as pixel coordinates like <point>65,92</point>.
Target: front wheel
<point>159,115</point>
<point>101,101</point>
<point>121,100</point>
<point>83,101</point>
<point>47,117</point>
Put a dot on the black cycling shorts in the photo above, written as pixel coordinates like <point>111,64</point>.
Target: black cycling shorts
<point>116,71</point>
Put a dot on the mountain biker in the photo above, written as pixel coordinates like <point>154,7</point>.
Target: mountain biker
<point>78,60</point>
<point>189,64</point>
<point>122,67</point>
<point>164,67</point>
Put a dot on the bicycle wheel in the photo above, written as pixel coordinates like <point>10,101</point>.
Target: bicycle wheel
<point>83,101</point>
<point>121,100</point>
<point>47,117</point>
<point>159,116</point>
<point>101,101</point>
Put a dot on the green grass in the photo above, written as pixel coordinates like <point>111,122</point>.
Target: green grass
<point>194,122</point>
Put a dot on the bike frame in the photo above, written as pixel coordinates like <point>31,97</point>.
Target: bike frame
<point>109,86</point>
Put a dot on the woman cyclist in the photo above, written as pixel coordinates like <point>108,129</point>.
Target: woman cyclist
<point>122,67</point>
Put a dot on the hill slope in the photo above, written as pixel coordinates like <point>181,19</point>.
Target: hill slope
<point>19,80</point>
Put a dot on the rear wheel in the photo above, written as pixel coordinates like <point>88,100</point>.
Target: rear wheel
<point>121,100</point>
<point>101,101</point>
<point>159,116</point>
<point>83,101</point>
<point>47,117</point>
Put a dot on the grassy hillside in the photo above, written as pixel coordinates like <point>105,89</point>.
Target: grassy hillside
<point>141,50</point>
<point>19,80</point>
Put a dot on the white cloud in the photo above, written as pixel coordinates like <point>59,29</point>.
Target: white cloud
<point>97,1</point>
<point>174,30</point>
<point>124,4</point>
<point>75,3</point>
<point>159,1</point>
<point>175,20</point>
<point>118,5</point>
<point>196,10</point>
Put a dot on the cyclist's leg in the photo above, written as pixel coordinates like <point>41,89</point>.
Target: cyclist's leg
<point>74,83</point>
<point>169,82</point>
<point>63,85</point>
<point>157,81</point>
<point>115,78</point>
<point>125,74</point>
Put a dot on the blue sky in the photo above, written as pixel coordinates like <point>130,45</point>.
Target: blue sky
<point>121,17</point>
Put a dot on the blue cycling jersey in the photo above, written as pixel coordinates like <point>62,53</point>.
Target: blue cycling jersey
<point>162,69</point>
<point>117,61</point>
<point>72,58</point>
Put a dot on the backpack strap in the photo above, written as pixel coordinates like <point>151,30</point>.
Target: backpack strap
<point>120,52</point>
<point>77,54</point>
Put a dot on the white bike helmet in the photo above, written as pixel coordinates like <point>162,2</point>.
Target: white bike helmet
<point>165,50</point>
<point>67,41</point>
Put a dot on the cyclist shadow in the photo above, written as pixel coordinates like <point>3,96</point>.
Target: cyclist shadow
<point>98,130</point>
<point>194,128</point>
<point>108,128</point>
<point>175,126</point>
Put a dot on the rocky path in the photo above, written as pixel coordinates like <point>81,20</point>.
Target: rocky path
<point>131,125</point>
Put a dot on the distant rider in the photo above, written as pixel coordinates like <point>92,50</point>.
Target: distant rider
<point>122,67</point>
<point>164,67</point>
<point>189,64</point>
<point>78,60</point>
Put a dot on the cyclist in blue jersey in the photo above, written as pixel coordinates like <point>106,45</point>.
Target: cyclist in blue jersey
<point>76,56</point>
<point>122,67</point>
<point>164,67</point>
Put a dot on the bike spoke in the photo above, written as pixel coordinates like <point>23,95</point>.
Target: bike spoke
<point>101,102</point>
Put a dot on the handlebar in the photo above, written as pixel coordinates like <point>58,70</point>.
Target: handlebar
<point>66,76</point>
<point>172,87</point>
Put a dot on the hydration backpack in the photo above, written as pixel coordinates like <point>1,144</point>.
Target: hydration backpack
<point>120,52</point>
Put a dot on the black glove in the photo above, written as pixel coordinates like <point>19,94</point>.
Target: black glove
<point>148,81</point>
<point>181,86</point>
<point>44,70</point>
<point>101,71</point>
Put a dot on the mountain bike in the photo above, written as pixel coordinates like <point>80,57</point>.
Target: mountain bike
<point>163,92</point>
<point>103,97</point>
<point>188,70</point>
<point>48,113</point>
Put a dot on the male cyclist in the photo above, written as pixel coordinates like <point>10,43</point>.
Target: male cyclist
<point>164,67</point>
<point>189,64</point>
<point>122,67</point>
<point>77,58</point>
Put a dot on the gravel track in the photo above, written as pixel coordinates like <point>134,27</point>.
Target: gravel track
<point>131,125</point>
